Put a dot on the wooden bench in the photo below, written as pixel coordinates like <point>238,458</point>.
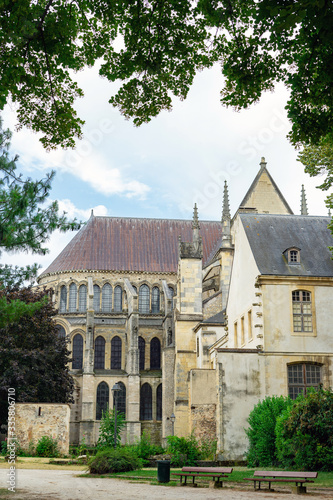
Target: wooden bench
<point>214,474</point>
<point>298,477</point>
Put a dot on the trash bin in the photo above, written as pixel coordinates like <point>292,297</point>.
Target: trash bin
<point>163,471</point>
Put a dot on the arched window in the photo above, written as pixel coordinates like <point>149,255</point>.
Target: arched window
<point>63,299</point>
<point>107,298</point>
<point>155,354</point>
<point>172,293</point>
<point>102,399</point>
<point>61,332</point>
<point>302,311</point>
<point>97,298</point>
<point>83,298</point>
<point>301,376</point>
<point>142,353</point>
<point>72,298</point>
<point>155,300</point>
<point>99,353</point>
<point>116,353</point>
<point>159,402</point>
<point>118,299</point>
<point>144,299</point>
<point>77,352</point>
<point>121,401</point>
<point>146,412</point>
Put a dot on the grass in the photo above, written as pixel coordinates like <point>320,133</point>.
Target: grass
<point>324,480</point>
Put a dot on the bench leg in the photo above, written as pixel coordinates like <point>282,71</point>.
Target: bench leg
<point>215,484</point>
<point>298,490</point>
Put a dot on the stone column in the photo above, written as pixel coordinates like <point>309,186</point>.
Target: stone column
<point>87,423</point>
<point>132,366</point>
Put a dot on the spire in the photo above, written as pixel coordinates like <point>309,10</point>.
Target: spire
<point>226,233</point>
<point>226,209</point>
<point>92,213</point>
<point>192,250</point>
<point>195,223</point>
<point>263,163</point>
<point>304,208</point>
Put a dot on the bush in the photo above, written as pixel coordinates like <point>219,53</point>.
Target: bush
<point>144,448</point>
<point>47,447</point>
<point>261,431</point>
<point>208,448</point>
<point>3,451</point>
<point>114,460</point>
<point>305,432</point>
<point>106,430</point>
<point>183,451</point>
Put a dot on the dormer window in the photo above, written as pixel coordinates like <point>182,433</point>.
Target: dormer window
<point>292,255</point>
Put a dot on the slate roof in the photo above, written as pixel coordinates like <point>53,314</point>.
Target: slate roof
<point>131,244</point>
<point>270,235</point>
<point>218,319</point>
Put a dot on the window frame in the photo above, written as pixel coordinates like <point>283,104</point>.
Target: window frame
<point>144,299</point>
<point>82,302</point>
<point>116,353</point>
<point>104,407</point>
<point>78,361</point>
<point>155,353</point>
<point>294,314</point>
<point>146,402</point>
<point>99,353</point>
<point>106,303</point>
<point>303,385</point>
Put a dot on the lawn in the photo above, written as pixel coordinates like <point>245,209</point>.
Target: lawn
<point>324,480</point>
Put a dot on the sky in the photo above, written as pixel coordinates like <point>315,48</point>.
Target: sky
<point>162,168</point>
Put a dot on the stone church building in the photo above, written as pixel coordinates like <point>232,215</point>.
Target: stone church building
<point>200,319</point>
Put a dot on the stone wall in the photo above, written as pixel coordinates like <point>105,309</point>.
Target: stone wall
<point>212,306</point>
<point>35,420</point>
<point>154,430</point>
<point>203,420</point>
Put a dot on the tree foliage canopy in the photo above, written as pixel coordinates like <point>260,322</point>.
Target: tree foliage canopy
<point>155,49</point>
<point>304,432</point>
<point>33,358</point>
<point>26,222</point>
<point>261,431</point>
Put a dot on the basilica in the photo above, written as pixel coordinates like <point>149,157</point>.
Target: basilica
<point>195,320</point>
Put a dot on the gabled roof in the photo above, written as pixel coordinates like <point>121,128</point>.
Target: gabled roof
<point>264,195</point>
<point>131,244</point>
<point>270,235</point>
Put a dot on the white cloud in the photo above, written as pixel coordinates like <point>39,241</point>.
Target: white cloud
<point>72,211</point>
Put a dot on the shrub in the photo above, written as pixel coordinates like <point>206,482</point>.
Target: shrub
<point>144,448</point>
<point>261,431</point>
<point>47,447</point>
<point>305,432</point>
<point>208,448</point>
<point>3,448</point>
<point>183,450</point>
<point>106,430</point>
<point>110,460</point>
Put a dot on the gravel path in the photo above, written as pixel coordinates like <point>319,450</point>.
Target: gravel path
<point>66,485</point>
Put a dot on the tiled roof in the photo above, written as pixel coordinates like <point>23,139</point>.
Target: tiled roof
<point>131,244</point>
<point>270,235</point>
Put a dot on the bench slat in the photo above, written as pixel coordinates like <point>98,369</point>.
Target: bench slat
<point>296,474</point>
<point>275,480</point>
<point>222,470</point>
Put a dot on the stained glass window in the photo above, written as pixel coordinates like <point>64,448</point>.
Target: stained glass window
<point>102,399</point>
<point>146,412</point>
<point>77,362</point>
